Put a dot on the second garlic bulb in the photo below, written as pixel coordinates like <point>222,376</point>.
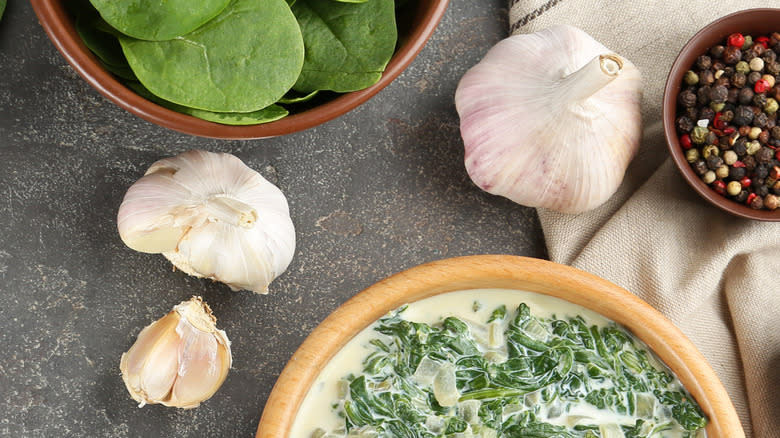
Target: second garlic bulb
<point>212,216</point>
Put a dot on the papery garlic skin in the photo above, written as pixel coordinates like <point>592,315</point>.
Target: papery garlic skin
<point>547,122</point>
<point>179,360</point>
<point>211,216</point>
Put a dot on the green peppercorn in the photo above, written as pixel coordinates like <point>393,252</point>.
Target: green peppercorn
<point>771,106</point>
<point>699,134</point>
<point>717,106</point>
<point>691,78</point>
<point>733,188</point>
<point>710,150</point>
<point>729,157</point>
<point>748,42</point>
<point>722,172</point>
<point>691,155</point>
<point>742,67</point>
<point>753,147</point>
<point>709,177</point>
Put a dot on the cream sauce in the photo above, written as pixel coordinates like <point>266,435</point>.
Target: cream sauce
<point>316,409</point>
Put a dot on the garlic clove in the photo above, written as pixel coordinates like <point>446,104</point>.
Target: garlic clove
<point>211,216</point>
<point>201,370</point>
<point>179,360</point>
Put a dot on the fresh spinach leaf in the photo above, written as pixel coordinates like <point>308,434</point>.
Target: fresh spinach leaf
<point>268,114</point>
<point>158,20</point>
<point>99,39</point>
<point>348,45</point>
<point>233,63</point>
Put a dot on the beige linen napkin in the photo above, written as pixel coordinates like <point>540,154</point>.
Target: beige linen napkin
<point>714,275</point>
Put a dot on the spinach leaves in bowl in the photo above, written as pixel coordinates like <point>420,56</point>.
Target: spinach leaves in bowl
<point>255,62</point>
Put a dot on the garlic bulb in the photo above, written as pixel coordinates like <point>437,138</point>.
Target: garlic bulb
<point>179,360</point>
<point>550,119</point>
<point>211,216</point>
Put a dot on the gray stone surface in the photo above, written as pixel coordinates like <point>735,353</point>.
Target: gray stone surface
<point>378,190</point>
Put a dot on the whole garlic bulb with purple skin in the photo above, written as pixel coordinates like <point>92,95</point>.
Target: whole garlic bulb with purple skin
<point>550,119</point>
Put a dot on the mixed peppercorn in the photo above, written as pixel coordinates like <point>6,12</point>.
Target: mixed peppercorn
<point>727,119</point>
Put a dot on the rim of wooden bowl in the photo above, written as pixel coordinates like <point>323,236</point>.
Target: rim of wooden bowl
<point>61,30</point>
<point>502,272</point>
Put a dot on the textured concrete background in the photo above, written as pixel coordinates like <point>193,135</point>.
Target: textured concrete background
<point>376,191</point>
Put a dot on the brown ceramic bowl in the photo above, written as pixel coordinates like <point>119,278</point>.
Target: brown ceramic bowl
<point>501,272</point>
<point>748,22</point>
<point>416,22</point>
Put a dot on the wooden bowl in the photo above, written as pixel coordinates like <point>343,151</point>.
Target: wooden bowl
<point>416,21</point>
<point>751,21</point>
<point>503,272</point>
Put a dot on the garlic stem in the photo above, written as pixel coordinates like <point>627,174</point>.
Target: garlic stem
<point>589,79</point>
<point>223,208</point>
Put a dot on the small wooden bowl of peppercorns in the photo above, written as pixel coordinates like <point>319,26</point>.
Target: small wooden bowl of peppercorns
<point>721,113</point>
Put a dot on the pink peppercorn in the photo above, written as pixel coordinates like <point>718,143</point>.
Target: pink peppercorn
<point>745,182</point>
<point>719,186</point>
<point>685,141</point>
<point>763,40</point>
<point>761,86</point>
<point>736,40</point>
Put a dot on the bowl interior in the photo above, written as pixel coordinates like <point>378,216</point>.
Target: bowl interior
<point>752,21</point>
<point>501,272</point>
<point>416,21</point>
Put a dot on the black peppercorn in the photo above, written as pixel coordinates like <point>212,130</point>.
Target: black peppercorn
<point>743,115</point>
<point>769,56</point>
<point>687,98</point>
<point>727,115</point>
<point>731,55</point>
<point>742,196</point>
<point>760,172</point>
<point>707,77</point>
<point>708,113</point>
<point>732,96</point>
<point>719,93</point>
<point>775,132</point>
<point>714,161</point>
<point>759,188</point>
<point>703,95</point>
<point>700,167</point>
<point>773,68</point>
<point>740,146</point>
<point>717,51</point>
<point>753,77</point>
<point>759,100</point>
<point>703,62</point>
<point>737,173</point>
<point>763,138</point>
<point>757,203</point>
<point>745,96</point>
<point>760,120</point>
<point>739,79</point>
<point>765,155</point>
<point>750,163</point>
<point>684,124</point>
